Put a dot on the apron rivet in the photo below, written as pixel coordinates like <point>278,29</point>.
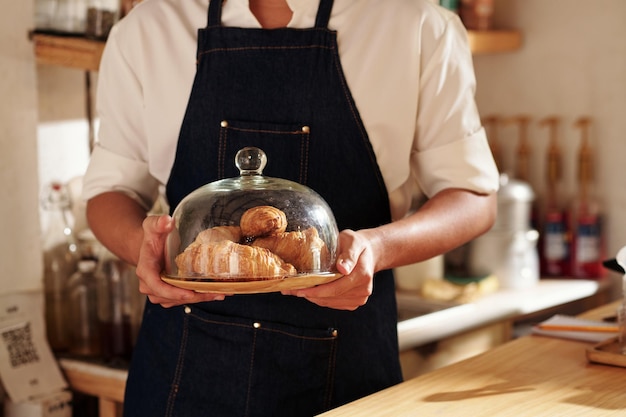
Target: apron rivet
<point>306,129</point>
<point>187,309</point>
<point>224,123</point>
<point>256,325</point>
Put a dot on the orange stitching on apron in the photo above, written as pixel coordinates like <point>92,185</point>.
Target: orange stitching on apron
<point>248,392</point>
<point>251,325</point>
<point>304,147</point>
<point>332,359</point>
<point>262,48</point>
<point>221,151</point>
<point>179,368</point>
<point>274,132</point>
<point>304,156</point>
<point>357,119</point>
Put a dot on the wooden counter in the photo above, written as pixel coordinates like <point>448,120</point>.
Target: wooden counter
<point>510,373</point>
<point>530,376</point>
<point>105,383</point>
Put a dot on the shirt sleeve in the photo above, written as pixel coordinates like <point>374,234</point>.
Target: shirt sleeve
<point>467,166</point>
<point>451,148</point>
<point>109,171</point>
<point>119,161</point>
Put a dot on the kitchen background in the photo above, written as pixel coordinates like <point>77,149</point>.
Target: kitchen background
<point>572,63</point>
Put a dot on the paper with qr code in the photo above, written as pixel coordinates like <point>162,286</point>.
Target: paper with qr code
<point>28,368</point>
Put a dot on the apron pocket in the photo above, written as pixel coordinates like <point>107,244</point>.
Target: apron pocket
<point>247,368</point>
<point>289,145</point>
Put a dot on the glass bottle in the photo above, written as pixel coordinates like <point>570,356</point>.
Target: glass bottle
<point>554,249</point>
<point>69,16</point>
<point>44,13</point>
<point>477,14</point>
<point>117,285</point>
<point>60,256</point>
<point>101,16</point>
<point>82,310</point>
<point>450,5</point>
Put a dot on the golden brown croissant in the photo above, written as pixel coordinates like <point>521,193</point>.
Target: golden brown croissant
<point>218,233</point>
<point>304,250</point>
<point>230,260</point>
<point>263,221</point>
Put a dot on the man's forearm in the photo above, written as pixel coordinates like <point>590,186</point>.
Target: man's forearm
<point>116,220</point>
<point>446,221</point>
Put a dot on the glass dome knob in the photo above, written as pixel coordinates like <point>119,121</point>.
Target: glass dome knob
<point>250,161</point>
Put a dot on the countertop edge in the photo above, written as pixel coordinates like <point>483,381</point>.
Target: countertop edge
<point>501,305</point>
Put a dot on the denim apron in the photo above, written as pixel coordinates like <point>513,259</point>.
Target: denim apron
<point>282,90</point>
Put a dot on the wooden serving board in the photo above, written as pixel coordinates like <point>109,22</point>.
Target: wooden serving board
<point>254,287</point>
<point>607,352</point>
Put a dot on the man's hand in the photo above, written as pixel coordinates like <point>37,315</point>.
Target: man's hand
<point>151,265</point>
<point>355,260</point>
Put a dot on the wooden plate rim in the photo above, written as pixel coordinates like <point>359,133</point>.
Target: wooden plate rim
<point>254,287</point>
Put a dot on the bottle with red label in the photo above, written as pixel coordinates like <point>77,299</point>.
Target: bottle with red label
<point>554,245</point>
<point>588,244</point>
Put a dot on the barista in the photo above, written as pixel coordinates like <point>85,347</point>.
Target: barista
<point>386,89</point>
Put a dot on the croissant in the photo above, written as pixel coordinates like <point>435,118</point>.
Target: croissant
<point>263,221</point>
<point>232,261</point>
<point>306,251</point>
<point>218,233</point>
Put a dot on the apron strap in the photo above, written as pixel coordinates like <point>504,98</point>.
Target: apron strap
<point>323,14</point>
<point>321,20</point>
<point>214,17</point>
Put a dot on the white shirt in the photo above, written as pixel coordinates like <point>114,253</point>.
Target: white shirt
<point>407,63</point>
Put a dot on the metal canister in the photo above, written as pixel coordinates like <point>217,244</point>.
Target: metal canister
<point>508,249</point>
<point>515,200</point>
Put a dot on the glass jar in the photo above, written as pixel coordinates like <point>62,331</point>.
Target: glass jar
<point>101,16</point>
<point>60,257</point>
<point>82,298</point>
<point>251,228</point>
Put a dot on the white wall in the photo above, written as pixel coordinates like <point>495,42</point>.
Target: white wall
<point>572,63</point>
<point>63,131</point>
<point>43,137</point>
<point>20,253</point>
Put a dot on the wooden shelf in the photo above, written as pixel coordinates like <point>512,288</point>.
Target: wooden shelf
<point>81,53</point>
<point>494,41</point>
<point>67,51</point>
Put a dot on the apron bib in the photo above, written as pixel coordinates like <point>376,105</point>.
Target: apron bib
<point>282,90</point>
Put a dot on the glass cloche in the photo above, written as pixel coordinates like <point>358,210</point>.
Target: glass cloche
<point>251,228</point>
